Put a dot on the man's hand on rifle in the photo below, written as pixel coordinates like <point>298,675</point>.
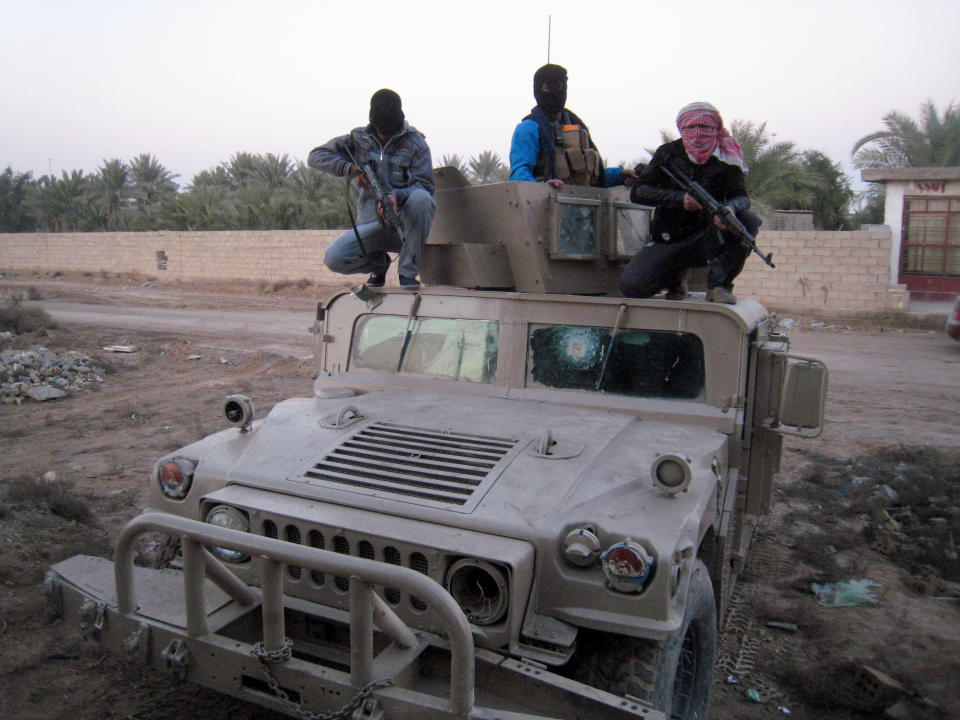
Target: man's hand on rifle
<point>718,221</point>
<point>361,178</point>
<point>393,202</point>
<point>690,203</point>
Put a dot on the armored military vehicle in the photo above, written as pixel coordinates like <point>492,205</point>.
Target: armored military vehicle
<point>510,494</point>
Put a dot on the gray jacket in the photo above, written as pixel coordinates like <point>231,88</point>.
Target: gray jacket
<point>403,164</point>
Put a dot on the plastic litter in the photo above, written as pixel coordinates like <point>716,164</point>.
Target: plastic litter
<point>845,594</point>
<point>753,695</point>
<point>784,709</point>
<point>732,679</point>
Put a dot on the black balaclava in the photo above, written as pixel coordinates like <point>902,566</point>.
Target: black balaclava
<point>386,113</point>
<point>555,100</point>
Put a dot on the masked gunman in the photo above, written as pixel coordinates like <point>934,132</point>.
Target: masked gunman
<point>683,234</point>
<point>395,157</point>
<point>553,145</point>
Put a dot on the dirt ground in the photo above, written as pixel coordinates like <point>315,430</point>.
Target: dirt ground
<point>876,497</point>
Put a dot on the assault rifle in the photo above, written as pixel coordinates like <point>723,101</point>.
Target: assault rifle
<point>390,218</point>
<point>714,207</point>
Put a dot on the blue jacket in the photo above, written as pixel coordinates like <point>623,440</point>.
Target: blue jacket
<point>402,164</point>
<point>525,150</point>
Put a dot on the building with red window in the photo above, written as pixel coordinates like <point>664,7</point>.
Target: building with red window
<point>923,212</point>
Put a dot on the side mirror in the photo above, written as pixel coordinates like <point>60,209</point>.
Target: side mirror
<point>803,397</point>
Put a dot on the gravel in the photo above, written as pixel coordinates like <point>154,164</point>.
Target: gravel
<point>39,374</point>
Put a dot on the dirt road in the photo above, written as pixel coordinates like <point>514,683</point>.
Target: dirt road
<point>893,410</point>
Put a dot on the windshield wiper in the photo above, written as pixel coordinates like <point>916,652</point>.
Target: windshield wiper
<point>613,338</point>
<point>414,306</point>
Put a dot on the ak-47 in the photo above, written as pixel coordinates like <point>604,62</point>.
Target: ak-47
<point>714,207</point>
<point>390,217</point>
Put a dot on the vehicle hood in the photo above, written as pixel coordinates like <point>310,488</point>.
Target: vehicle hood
<point>492,446</point>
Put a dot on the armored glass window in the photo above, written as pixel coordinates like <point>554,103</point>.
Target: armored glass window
<point>632,226</point>
<point>641,363</point>
<point>439,347</point>
<point>576,229</point>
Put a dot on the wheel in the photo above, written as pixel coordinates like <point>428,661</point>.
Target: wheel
<point>673,675</point>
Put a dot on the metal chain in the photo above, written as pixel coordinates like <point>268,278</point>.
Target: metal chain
<point>282,654</point>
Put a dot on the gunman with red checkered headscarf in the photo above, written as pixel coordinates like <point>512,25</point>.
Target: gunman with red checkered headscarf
<point>683,234</point>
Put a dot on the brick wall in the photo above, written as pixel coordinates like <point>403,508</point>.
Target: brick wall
<point>842,273</point>
<point>269,256</point>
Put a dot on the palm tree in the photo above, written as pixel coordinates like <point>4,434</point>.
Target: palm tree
<point>273,170</point>
<point>151,182</point>
<point>322,199</point>
<point>111,187</point>
<point>776,177</point>
<point>152,187</point>
<point>454,161</point>
<point>241,168</point>
<point>14,190</point>
<point>487,167</point>
<point>215,177</point>
<point>64,204</point>
<point>203,207</point>
<point>933,142</point>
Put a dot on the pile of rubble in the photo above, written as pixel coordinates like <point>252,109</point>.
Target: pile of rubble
<point>38,373</point>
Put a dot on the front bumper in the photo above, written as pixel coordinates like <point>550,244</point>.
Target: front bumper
<point>205,625</point>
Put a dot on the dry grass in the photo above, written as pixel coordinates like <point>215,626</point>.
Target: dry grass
<point>18,319</point>
<point>58,497</point>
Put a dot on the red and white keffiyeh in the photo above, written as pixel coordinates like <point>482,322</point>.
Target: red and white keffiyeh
<point>704,136</point>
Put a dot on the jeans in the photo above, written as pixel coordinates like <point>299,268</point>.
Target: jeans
<point>345,256</point>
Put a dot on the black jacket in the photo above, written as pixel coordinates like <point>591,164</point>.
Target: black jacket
<point>725,182</point>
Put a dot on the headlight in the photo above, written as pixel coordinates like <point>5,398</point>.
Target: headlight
<point>480,590</point>
<point>228,517</point>
<point>671,473</point>
<point>176,477</point>
<point>627,566</point>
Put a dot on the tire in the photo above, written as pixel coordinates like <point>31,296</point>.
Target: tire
<point>674,675</point>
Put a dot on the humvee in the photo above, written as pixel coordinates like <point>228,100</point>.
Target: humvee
<point>510,494</point>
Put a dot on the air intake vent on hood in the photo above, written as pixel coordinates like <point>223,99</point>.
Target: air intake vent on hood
<point>430,467</point>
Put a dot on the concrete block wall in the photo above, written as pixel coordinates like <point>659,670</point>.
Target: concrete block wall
<point>268,256</point>
<point>843,273</point>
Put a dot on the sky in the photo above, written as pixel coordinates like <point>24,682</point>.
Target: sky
<point>194,81</point>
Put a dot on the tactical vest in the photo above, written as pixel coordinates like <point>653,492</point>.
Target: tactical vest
<point>575,161</point>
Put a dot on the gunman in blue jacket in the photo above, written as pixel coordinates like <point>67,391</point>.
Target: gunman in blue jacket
<point>401,160</point>
<point>553,145</point>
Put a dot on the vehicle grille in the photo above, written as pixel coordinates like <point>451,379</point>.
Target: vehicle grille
<point>430,467</point>
<point>333,590</point>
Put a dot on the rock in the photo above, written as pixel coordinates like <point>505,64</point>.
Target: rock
<point>37,366</point>
<point>45,392</point>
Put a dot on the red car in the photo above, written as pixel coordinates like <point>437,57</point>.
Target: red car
<point>953,320</point>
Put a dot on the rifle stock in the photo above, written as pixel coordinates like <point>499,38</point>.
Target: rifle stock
<point>714,207</point>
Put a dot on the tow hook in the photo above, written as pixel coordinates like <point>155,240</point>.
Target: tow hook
<point>137,645</point>
<point>176,658</point>
<point>369,710</point>
<point>54,595</point>
<point>93,616</point>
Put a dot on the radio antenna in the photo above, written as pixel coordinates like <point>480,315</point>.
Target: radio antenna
<point>549,22</point>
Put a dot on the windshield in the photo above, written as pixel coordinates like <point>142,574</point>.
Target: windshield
<point>439,347</point>
<point>641,363</point>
